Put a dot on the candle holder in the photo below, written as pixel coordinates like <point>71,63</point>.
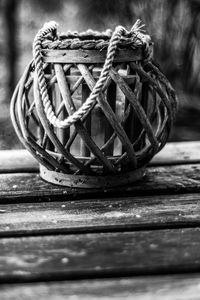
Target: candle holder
<point>93,107</point>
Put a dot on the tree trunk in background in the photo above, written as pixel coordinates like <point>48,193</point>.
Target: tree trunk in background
<point>10,16</point>
<point>191,52</point>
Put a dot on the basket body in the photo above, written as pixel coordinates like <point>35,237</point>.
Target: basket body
<point>128,123</point>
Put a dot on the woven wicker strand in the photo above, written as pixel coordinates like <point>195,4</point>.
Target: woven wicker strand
<point>92,107</point>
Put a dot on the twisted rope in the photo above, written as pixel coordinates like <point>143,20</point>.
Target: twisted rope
<point>51,27</point>
<point>94,40</point>
<point>89,44</point>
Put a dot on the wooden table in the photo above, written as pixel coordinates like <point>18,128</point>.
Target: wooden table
<point>138,242</point>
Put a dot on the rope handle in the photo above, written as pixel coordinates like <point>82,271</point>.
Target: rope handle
<point>51,27</point>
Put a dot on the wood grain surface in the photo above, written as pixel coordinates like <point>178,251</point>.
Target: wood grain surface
<point>54,257</point>
<point>100,215</point>
<point>178,287</point>
<point>137,242</point>
<point>158,180</point>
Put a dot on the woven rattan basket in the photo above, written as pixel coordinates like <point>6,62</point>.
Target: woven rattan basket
<point>93,108</point>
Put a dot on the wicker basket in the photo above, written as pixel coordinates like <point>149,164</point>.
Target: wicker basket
<point>93,108</point>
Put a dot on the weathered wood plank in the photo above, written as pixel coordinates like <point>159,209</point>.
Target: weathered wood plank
<point>174,287</point>
<point>97,215</point>
<point>173,153</point>
<point>89,56</point>
<point>17,161</point>
<point>57,257</point>
<point>158,180</point>
<point>178,153</point>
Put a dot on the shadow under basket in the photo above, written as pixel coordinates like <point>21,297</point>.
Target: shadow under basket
<point>128,120</point>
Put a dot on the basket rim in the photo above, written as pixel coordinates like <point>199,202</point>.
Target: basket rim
<point>92,182</point>
<point>91,40</point>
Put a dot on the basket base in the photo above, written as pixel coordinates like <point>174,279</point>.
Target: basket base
<point>91,182</point>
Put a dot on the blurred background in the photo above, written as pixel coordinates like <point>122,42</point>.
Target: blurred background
<point>173,25</point>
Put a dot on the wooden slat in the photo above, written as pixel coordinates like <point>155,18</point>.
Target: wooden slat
<point>158,180</point>
<point>95,215</point>
<point>174,287</point>
<point>57,257</point>
<point>173,153</point>
<point>17,161</point>
<point>89,56</point>
<point>178,153</point>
